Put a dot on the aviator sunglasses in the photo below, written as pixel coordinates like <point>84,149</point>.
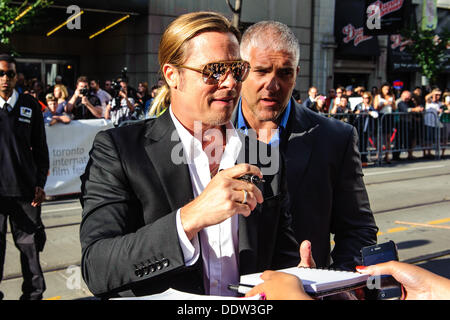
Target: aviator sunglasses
<point>10,74</point>
<point>215,72</point>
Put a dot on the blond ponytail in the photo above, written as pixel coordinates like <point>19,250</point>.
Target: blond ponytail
<point>161,102</point>
<point>173,46</point>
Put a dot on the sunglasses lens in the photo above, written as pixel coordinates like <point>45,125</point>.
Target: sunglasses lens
<point>214,72</point>
<point>10,74</point>
<point>240,70</point>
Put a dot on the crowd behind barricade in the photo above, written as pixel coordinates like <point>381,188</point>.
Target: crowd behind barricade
<point>389,121</point>
<point>91,99</point>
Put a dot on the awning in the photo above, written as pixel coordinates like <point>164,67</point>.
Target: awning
<point>400,60</point>
<point>96,15</point>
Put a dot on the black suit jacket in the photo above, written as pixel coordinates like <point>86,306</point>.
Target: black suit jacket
<point>131,191</point>
<point>326,188</point>
<point>24,159</point>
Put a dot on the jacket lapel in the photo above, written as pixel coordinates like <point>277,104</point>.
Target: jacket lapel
<point>248,227</point>
<point>163,147</point>
<point>299,141</point>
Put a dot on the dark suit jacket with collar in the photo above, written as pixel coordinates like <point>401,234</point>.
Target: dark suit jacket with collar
<point>327,193</point>
<point>131,191</point>
<point>310,104</point>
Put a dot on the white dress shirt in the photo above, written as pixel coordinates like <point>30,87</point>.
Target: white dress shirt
<point>219,243</point>
<point>11,101</point>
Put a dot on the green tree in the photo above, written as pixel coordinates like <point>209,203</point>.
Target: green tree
<point>14,17</point>
<point>430,50</point>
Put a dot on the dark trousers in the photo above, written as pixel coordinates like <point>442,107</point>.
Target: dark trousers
<point>29,237</point>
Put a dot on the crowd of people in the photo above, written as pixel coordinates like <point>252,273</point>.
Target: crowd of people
<point>149,222</point>
<point>63,104</point>
<point>114,100</point>
<point>425,111</point>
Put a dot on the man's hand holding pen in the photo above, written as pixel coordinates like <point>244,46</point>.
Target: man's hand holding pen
<point>225,196</point>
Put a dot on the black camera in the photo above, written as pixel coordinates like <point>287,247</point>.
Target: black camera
<point>115,84</point>
<point>84,92</point>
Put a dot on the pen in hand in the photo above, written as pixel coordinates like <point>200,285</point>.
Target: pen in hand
<point>240,288</point>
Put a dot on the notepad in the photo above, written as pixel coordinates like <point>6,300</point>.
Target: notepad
<point>172,294</point>
<point>317,282</point>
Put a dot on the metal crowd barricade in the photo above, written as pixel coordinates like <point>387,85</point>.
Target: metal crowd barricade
<point>390,133</point>
<point>445,133</point>
<point>412,132</point>
<point>396,132</point>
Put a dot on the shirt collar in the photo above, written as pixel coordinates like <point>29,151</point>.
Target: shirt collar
<point>193,146</point>
<point>11,101</point>
<point>242,125</point>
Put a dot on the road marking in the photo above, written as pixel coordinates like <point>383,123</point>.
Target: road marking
<point>63,209</point>
<point>439,221</point>
<point>423,225</point>
<point>54,298</point>
<point>431,224</point>
<point>397,229</point>
<point>402,170</point>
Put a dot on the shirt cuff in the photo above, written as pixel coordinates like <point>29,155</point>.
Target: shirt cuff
<point>191,249</point>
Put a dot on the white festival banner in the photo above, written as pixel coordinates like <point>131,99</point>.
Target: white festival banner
<point>68,148</point>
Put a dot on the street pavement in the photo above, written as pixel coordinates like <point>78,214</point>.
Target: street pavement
<point>410,192</point>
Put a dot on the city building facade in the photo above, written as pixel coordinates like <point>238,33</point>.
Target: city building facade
<point>111,35</point>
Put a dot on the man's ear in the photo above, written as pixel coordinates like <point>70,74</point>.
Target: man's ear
<point>298,71</point>
<point>172,75</point>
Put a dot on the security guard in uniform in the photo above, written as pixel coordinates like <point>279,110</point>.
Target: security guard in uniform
<point>24,164</point>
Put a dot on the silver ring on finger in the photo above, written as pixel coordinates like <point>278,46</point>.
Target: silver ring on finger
<point>244,201</point>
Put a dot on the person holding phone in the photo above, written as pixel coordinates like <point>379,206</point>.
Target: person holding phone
<point>384,103</point>
<point>321,104</point>
<point>418,283</point>
<point>335,102</point>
